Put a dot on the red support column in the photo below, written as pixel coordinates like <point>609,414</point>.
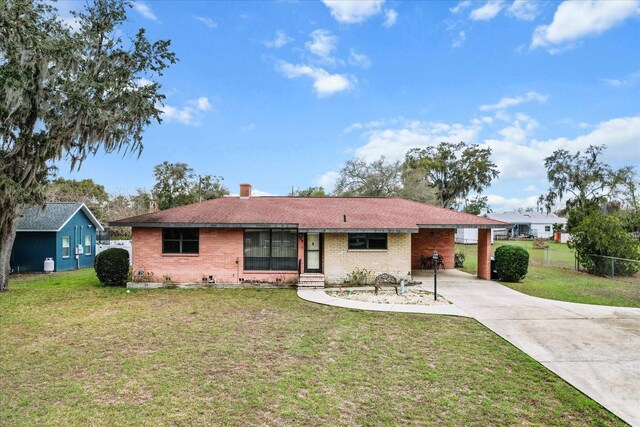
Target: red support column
<point>484,253</point>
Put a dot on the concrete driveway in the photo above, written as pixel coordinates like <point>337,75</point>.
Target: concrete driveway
<point>594,348</point>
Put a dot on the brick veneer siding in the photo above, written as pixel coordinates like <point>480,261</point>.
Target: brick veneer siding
<point>429,239</point>
<point>484,254</point>
<point>218,253</point>
<point>339,261</point>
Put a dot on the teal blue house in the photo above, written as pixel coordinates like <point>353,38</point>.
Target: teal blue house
<point>64,232</point>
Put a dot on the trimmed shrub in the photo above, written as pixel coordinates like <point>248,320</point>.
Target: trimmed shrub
<point>112,267</point>
<point>512,263</point>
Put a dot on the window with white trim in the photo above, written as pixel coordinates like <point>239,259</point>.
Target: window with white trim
<point>87,244</point>
<point>66,246</point>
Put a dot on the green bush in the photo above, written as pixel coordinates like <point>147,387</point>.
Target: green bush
<point>112,267</point>
<point>512,263</point>
<point>605,236</point>
<point>359,277</point>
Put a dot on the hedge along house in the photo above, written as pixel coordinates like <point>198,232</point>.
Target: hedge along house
<point>65,232</point>
<point>297,239</point>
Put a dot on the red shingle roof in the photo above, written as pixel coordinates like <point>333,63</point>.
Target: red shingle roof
<point>311,213</point>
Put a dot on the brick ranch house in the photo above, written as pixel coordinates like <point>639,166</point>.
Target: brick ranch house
<point>273,239</point>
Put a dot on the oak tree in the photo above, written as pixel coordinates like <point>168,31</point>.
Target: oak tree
<point>583,180</point>
<point>453,170</point>
<point>66,93</point>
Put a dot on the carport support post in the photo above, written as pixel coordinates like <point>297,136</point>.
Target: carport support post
<point>484,253</point>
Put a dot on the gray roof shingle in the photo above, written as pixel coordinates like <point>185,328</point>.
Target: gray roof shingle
<point>51,218</point>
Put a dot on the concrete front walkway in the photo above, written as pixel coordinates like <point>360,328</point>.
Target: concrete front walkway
<point>594,348</point>
<point>319,296</point>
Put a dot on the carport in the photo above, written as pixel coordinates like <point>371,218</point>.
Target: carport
<point>431,238</point>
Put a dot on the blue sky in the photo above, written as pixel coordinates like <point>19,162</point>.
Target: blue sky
<point>281,94</point>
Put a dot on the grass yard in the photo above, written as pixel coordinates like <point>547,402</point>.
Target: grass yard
<point>559,281</point>
<point>75,353</point>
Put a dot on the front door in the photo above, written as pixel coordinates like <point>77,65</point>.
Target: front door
<point>313,253</point>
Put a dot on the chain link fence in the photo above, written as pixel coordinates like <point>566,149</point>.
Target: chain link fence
<point>616,268</point>
<point>557,255</point>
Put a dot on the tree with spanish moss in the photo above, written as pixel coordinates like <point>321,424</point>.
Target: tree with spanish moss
<point>452,170</point>
<point>584,181</point>
<point>66,93</point>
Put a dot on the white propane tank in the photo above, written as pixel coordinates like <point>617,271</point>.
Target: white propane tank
<point>48,265</point>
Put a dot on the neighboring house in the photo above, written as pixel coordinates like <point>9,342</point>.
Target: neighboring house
<point>270,239</point>
<point>65,232</point>
<point>523,224</point>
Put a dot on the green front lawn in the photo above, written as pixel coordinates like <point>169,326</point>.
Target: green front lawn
<point>558,280</point>
<point>75,353</point>
<point>573,286</point>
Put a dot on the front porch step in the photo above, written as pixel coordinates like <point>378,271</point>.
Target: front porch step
<point>311,280</point>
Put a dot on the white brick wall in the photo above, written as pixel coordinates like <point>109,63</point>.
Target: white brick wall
<point>339,261</point>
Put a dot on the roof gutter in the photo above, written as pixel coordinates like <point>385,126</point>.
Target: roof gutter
<point>358,230</point>
<point>198,225</point>
<point>505,224</point>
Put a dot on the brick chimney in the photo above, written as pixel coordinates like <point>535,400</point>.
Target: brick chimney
<point>245,191</point>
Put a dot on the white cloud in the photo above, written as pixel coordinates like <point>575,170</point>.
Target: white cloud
<point>322,44</point>
<point>324,83</point>
<point>459,40</point>
<point>461,6</point>
<point>519,156</point>
<point>390,18</point>
<point>143,82</point>
<point>328,180</point>
<point>173,114</point>
<point>393,143</point>
<point>353,11</point>
<point>514,148</point>
<point>507,102</point>
<point>189,114</point>
<point>487,11</point>
<point>374,124</point>
<point>203,104</point>
<point>64,14</point>
<point>248,128</point>
<point>206,21</point>
<point>145,11</point>
<point>574,20</point>
<point>359,59</point>
<point>524,10</point>
<point>620,135</point>
<point>628,80</point>
<point>280,40</point>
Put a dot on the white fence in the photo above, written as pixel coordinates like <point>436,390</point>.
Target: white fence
<point>120,244</point>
